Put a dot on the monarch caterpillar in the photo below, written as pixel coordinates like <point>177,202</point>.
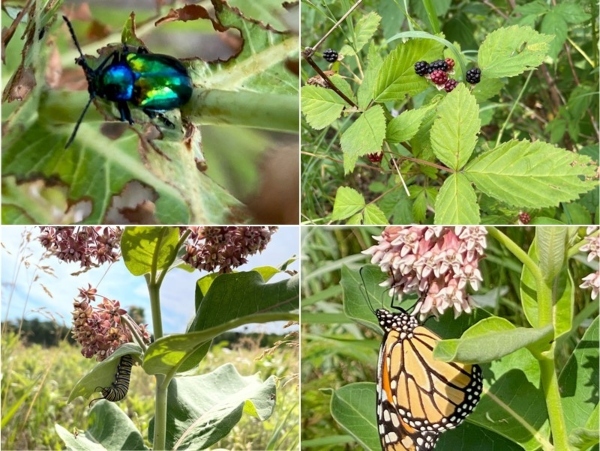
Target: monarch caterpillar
<point>418,397</point>
<point>118,389</point>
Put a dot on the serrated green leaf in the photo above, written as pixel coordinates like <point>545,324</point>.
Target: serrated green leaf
<point>365,90</point>
<point>347,202</point>
<point>397,76</point>
<point>363,137</point>
<point>487,89</point>
<point>357,219</point>
<point>511,51</point>
<point>321,106</point>
<point>532,175</point>
<point>343,86</point>
<point>374,216</point>
<point>406,125</point>
<point>572,12</point>
<point>456,202</point>
<point>365,29</point>
<point>454,131</point>
<point>554,24</point>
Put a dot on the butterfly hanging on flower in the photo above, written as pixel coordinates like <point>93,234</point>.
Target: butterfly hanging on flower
<point>418,397</point>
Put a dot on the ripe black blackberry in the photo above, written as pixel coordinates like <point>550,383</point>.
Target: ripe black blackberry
<point>474,75</point>
<point>450,85</point>
<point>330,55</point>
<point>421,68</point>
<point>439,77</point>
<point>438,65</point>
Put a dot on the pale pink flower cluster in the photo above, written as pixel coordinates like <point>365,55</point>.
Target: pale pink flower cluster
<point>437,263</point>
<point>592,247</point>
<point>99,329</point>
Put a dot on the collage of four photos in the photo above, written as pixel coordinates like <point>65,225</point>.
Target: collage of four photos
<point>300,225</point>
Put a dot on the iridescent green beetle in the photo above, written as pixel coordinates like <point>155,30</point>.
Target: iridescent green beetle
<point>152,82</point>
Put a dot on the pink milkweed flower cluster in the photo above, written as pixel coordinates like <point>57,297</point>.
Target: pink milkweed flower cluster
<point>592,247</point>
<point>225,248</point>
<point>90,246</point>
<point>100,329</point>
<point>436,263</point>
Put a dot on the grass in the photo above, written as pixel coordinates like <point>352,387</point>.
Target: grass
<point>36,383</point>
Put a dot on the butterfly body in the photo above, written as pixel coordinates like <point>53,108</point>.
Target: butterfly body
<point>419,397</point>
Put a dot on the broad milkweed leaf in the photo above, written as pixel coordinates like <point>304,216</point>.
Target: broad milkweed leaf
<point>456,202</point>
<point>363,137</point>
<point>397,77</point>
<point>511,51</point>
<point>347,202</point>
<point>532,175</point>
<point>365,29</point>
<point>454,131</point>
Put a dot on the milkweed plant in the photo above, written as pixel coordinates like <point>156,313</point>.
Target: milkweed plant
<point>541,379</point>
<point>191,411</point>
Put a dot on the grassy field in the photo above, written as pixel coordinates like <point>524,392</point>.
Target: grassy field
<point>36,383</point>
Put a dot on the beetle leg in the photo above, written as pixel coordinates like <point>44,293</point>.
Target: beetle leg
<point>125,112</point>
<point>152,114</point>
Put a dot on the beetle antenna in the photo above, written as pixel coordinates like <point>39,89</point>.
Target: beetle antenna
<point>78,123</point>
<point>73,35</point>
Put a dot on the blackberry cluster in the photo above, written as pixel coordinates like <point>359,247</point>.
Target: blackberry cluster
<point>421,68</point>
<point>473,75</point>
<point>438,65</point>
<point>330,55</point>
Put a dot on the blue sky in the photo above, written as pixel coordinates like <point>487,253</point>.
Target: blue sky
<point>27,291</point>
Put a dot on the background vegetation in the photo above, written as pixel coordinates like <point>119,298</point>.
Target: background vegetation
<point>37,381</point>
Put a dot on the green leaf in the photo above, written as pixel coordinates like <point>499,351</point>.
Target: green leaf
<point>365,29</point>
<point>103,374</point>
<point>531,175</point>
<point>406,125</point>
<point>454,131</point>
<point>364,136</point>
<point>374,216</point>
<point>490,339</point>
<point>321,106</point>
<point>110,428</point>
<point>578,381</point>
<point>203,409</point>
<point>141,246</point>
<point>555,24</point>
<point>397,76</point>
<point>511,51</point>
<point>365,90</point>
<point>456,203</point>
<point>353,407</point>
<point>347,202</point>
<point>572,12</point>
<point>551,245</point>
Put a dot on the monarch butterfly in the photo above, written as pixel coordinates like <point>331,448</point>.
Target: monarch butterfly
<point>118,389</point>
<point>418,397</point>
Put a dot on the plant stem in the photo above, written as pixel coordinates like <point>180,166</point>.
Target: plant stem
<point>553,401</point>
<point>270,112</point>
<point>160,414</point>
<point>516,251</point>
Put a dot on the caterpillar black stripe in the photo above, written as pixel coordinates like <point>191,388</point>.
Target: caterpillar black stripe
<point>118,389</point>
